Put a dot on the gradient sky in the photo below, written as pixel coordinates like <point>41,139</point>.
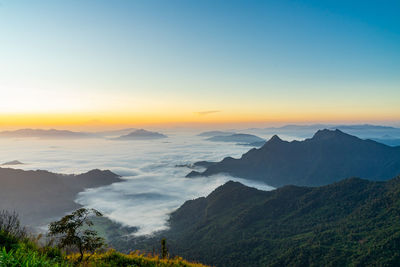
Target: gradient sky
<point>138,62</point>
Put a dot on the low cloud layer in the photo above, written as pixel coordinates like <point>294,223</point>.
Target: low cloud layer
<point>153,186</point>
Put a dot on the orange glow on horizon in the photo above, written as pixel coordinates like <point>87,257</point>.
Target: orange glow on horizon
<point>108,120</point>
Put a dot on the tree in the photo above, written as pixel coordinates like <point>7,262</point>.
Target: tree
<point>74,231</point>
<point>164,249</point>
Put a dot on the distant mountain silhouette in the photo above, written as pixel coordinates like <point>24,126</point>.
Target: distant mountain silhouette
<point>41,195</point>
<point>141,134</point>
<point>13,162</point>
<point>45,134</point>
<point>368,127</point>
<point>215,133</point>
<point>364,131</point>
<point>329,156</point>
<point>237,138</point>
<point>353,222</point>
<point>113,133</point>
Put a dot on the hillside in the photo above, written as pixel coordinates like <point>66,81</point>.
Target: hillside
<point>329,156</point>
<point>353,222</point>
<point>38,196</point>
<point>18,248</point>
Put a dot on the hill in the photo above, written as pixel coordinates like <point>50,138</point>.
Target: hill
<point>329,156</point>
<point>353,222</point>
<point>20,248</point>
<point>39,196</point>
<point>141,135</point>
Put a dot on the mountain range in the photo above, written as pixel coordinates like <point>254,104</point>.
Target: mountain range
<point>45,134</point>
<point>353,222</point>
<point>364,131</point>
<point>128,133</point>
<point>329,156</point>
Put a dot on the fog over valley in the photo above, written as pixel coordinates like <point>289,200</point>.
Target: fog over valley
<point>153,172</point>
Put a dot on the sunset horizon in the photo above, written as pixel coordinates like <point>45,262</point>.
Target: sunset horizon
<point>199,133</point>
<point>149,63</point>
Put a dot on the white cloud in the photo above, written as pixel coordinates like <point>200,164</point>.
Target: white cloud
<point>153,188</point>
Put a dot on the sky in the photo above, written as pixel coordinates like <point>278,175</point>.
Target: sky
<point>111,63</point>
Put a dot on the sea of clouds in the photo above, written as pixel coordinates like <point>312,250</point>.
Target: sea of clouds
<point>153,185</point>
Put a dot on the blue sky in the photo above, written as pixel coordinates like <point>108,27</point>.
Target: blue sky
<point>169,60</point>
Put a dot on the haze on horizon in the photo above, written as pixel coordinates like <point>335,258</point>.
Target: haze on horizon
<point>107,64</point>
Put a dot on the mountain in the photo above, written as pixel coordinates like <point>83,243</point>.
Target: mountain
<point>113,133</point>
<point>41,195</point>
<point>364,131</point>
<point>367,131</point>
<point>237,138</point>
<point>141,135</point>
<point>353,222</point>
<point>13,162</point>
<point>45,134</point>
<point>329,156</point>
<point>204,164</point>
<point>254,144</point>
<point>215,133</point>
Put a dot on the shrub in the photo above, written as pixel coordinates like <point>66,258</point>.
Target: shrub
<point>9,223</point>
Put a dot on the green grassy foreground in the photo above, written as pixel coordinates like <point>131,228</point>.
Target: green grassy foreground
<point>24,251</point>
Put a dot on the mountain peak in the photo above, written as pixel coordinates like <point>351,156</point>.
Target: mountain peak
<point>328,134</point>
<point>328,156</point>
<point>274,139</point>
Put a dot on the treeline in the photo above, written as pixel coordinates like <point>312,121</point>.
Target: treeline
<point>354,222</point>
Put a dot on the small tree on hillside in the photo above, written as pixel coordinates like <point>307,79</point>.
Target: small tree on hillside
<point>74,231</point>
<point>164,249</point>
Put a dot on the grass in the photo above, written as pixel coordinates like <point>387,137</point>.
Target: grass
<point>19,249</point>
<point>16,252</point>
<point>115,258</point>
<point>23,256</point>
<point>27,257</point>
